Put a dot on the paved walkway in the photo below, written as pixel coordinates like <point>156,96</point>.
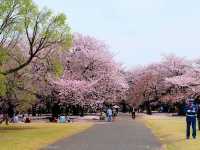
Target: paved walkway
<point>123,134</point>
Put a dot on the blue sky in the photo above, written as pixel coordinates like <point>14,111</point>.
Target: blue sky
<point>137,31</point>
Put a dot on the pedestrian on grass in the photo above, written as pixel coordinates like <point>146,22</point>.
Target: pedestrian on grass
<point>191,111</point>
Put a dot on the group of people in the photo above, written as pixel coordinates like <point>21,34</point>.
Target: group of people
<point>16,118</point>
<point>109,114</point>
<point>64,119</point>
<point>192,114</point>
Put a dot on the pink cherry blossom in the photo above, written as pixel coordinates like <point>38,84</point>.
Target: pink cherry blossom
<point>91,74</point>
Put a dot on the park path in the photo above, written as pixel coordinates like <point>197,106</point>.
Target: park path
<point>123,134</point>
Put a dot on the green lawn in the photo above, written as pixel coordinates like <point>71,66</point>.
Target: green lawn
<point>171,132</point>
<point>36,135</point>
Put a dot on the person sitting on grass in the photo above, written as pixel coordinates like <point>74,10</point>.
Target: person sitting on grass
<point>68,119</point>
<point>62,119</point>
<point>53,119</point>
<point>27,119</point>
<point>102,116</point>
<point>16,118</point>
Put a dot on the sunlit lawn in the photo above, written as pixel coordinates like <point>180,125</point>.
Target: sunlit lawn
<point>171,132</point>
<point>36,135</point>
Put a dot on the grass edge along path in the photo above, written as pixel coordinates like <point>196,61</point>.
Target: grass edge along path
<point>35,136</point>
<point>171,132</point>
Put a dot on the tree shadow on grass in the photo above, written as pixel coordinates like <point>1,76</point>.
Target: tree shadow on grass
<point>169,140</point>
<point>175,141</point>
<point>17,128</point>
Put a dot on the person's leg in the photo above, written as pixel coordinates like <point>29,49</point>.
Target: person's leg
<point>194,127</point>
<point>108,118</point>
<point>132,115</point>
<point>198,123</point>
<point>188,122</point>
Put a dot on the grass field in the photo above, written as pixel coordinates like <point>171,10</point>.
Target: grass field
<point>171,132</point>
<point>36,135</point>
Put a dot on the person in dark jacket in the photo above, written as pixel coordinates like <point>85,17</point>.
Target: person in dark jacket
<point>191,111</point>
<point>198,116</point>
<point>133,112</point>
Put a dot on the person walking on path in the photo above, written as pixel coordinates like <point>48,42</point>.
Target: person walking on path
<point>191,111</point>
<point>109,114</point>
<point>133,112</point>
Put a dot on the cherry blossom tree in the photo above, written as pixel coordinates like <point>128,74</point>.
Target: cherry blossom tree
<point>171,65</point>
<point>146,86</point>
<point>28,37</point>
<point>189,81</point>
<point>149,82</point>
<point>91,74</point>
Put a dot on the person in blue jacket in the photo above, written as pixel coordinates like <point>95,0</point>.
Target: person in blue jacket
<point>191,111</point>
<point>109,114</point>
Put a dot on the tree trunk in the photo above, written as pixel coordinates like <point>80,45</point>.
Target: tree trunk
<point>81,111</point>
<point>5,118</point>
